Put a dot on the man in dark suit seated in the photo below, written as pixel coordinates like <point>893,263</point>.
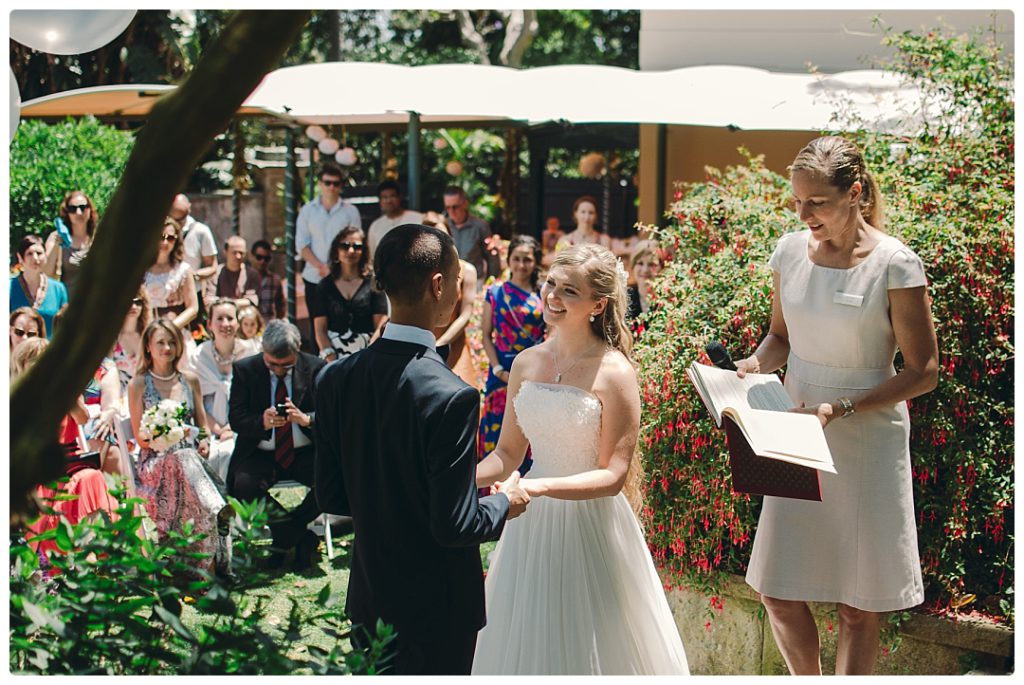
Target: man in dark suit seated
<point>271,411</point>
<point>396,450</point>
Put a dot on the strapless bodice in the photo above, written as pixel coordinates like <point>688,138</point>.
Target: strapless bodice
<point>563,425</point>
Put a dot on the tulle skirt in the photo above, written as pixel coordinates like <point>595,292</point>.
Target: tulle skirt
<point>572,590</point>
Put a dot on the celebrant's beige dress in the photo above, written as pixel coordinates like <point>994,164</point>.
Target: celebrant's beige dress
<point>858,545</point>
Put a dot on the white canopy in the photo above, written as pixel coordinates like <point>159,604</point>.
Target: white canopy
<point>361,94</point>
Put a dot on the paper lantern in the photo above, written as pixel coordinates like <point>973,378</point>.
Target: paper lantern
<point>591,165</point>
<point>15,105</point>
<point>346,156</point>
<point>440,143</point>
<point>454,167</point>
<point>68,32</point>
<point>328,146</point>
<point>316,133</point>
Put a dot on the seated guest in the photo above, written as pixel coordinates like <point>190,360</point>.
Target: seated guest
<point>26,323</point>
<point>127,347</point>
<point>33,288</point>
<point>87,485</point>
<point>213,364</point>
<point>236,279</point>
<point>644,264</point>
<point>251,324</point>
<point>272,304</point>
<point>271,413</point>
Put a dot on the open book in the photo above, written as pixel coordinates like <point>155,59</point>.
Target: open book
<point>757,407</point>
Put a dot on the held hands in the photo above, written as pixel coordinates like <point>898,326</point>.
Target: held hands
<point>517,497</point>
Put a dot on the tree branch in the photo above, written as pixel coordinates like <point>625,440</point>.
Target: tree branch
<point>471,35</point>
<point>520,30</point>
<point>170,145</point>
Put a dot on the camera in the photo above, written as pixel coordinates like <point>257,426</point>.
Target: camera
<point>282,410</point>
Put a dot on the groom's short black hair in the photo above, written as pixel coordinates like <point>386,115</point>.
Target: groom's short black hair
<point>408,256</point>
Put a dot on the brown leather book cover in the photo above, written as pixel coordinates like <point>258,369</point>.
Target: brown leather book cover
<point>763,476</point>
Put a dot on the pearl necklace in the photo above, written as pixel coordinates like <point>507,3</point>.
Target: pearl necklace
<point>157,376</point>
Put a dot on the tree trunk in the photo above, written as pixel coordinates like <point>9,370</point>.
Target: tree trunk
<point>472,35</point>
<point>168,148</point>
<point>520,30</point>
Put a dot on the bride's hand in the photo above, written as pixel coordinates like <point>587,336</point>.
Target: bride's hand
<point>534,487</point>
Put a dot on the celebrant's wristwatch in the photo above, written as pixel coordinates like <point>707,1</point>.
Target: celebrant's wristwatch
<point>847,406</point>
<point>326,352</point>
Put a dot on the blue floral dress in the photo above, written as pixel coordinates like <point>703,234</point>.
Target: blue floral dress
<point>517,318</point>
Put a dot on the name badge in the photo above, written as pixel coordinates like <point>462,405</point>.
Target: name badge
<point>848,299</point>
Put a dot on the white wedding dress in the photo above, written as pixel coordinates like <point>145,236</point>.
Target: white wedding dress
<point>571,588</point>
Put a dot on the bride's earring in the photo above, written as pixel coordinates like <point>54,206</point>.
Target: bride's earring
<point>591,318</point>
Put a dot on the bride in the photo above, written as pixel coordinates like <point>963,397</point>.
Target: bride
<point>572,589</point>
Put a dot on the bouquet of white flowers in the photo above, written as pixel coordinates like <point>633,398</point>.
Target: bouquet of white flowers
<point>163,425</point>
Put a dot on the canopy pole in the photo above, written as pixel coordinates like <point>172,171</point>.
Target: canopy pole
<point>289,218</point>
<point>660,173</point>
<point>237,177</point>
<point>414,161</point>
<point>538,163</point>
<point>311,172</point>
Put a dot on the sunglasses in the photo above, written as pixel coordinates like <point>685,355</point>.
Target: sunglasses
<point>169,238</point>
<point>22,333</point>
<point>136,301</point>
<point>350,246</point>
<point>261,257</point>
<point>336,184</point>
<point>78,208</point>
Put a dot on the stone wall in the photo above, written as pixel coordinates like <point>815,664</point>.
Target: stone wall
<point>738,640</point>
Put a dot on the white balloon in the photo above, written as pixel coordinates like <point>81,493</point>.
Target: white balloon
<point>346,156</point>
<point>68,32</point>
<point>328,146</point>
<point>316,133</point>
<point>15,105</point>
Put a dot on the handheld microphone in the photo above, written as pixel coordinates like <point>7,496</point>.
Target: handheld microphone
<point>720,356</point>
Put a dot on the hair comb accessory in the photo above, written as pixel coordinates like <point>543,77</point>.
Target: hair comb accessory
<point>621,271</point>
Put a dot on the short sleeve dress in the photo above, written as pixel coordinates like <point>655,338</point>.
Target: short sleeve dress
<point>858,546</point>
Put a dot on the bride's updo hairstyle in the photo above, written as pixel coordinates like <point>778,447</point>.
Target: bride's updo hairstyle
<point>606,278</point>
<point>841,163</point>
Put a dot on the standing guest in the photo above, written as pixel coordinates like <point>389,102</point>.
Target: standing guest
<point>251,324</point>
<point>512,321</point>
<point>453,336</point>
<point>85,493</point>
<point>33,288</point>
<point>200,248</point>
<point>395,450</point>
<point>26,323</point>
<point>351,310</point>
<point>213,364</point>
<point>127,347</point>
<point>584,213</point>
<point>177,483</point>
<point>319,222</point>
<point>169,283</point>
<point>846,296</point>
<point>67,246</point>
<point>236,279</point>
<point>272,304</point>
<point>271,413</point>
<point>391,214</point>
<point>644,264</point>
<point>469,232</point>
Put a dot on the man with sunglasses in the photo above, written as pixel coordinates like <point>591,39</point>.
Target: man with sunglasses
<point>270,408</point>
<point>271,292</point>
<point>318,222</point>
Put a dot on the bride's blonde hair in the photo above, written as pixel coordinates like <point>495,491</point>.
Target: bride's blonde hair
<point>606,278</point>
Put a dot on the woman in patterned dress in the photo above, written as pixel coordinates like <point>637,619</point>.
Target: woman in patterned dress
<point>513,320</point>
<point>177,482</point>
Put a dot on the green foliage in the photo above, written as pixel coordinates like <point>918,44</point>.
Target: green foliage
<point>949,190</point>
<point>48,160</point>
<point>610,37</point>
<point>116,607</point>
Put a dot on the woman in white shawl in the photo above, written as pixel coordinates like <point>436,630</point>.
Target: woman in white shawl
<point>213,364</point>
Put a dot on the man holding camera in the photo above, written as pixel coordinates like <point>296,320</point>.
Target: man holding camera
<point>271,411</point>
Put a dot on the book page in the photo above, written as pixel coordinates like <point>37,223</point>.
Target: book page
<point>789,436</point>
<point>725,389</point>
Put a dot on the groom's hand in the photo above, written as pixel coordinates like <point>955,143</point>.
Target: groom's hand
<point>517,497</point>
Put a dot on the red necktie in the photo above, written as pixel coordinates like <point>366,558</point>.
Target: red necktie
<point>283,452</point>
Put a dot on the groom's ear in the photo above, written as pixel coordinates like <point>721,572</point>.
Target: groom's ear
<point>436,285</point>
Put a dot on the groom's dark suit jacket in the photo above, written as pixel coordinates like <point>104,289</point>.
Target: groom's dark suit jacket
<point>396,450</point>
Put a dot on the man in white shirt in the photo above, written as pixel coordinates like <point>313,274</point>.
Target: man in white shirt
<point>200,249</point>
<point>319,221</point>
<point>392,214</point>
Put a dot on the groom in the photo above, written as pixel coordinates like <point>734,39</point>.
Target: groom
<point>396,450</point>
